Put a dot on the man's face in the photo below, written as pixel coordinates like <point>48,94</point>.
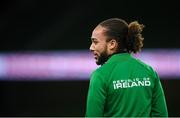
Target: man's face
<point>99,45</point>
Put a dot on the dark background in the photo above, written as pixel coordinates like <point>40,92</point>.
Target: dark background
<point>67,25</point>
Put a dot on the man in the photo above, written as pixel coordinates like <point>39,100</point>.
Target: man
<point>123,86</point>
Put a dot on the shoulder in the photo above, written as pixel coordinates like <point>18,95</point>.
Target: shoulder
<point>97,79</point>
<point>105,69</point>
<point>147,67</point>
<point>102,72</point>
<point>142,64</point>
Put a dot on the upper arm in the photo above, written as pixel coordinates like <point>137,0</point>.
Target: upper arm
<point>96,96</point>
<point>159,107</point>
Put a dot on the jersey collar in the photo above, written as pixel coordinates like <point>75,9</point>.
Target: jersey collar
<point>119,57</point>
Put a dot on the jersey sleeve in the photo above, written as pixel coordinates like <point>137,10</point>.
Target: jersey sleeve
<point>96,96</point>
<point>159,107</point>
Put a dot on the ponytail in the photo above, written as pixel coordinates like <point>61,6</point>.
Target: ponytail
<point>134,40</point>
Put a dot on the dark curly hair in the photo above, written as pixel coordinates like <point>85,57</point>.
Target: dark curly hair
<point>129,37</point>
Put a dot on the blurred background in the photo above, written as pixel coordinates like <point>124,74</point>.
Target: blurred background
<point>39,37</point>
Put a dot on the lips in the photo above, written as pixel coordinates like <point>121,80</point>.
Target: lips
<point>95,56</point>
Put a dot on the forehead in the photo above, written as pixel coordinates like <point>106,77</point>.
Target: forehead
<point>98,32</point>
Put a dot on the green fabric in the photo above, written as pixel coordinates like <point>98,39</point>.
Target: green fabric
<point>125,87</point>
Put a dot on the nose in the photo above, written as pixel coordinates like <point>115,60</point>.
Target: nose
<point>91,48</point>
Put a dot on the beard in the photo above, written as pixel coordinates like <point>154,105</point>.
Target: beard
<point>103,57</point>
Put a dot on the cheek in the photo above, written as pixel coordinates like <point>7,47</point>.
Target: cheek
<point>101,48</point>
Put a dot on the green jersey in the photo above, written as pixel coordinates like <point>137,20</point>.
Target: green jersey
<point>125,87</point>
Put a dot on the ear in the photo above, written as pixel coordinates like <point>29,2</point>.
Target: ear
<point>112,44</point>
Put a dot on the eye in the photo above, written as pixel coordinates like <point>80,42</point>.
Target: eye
<point>95,42</point>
